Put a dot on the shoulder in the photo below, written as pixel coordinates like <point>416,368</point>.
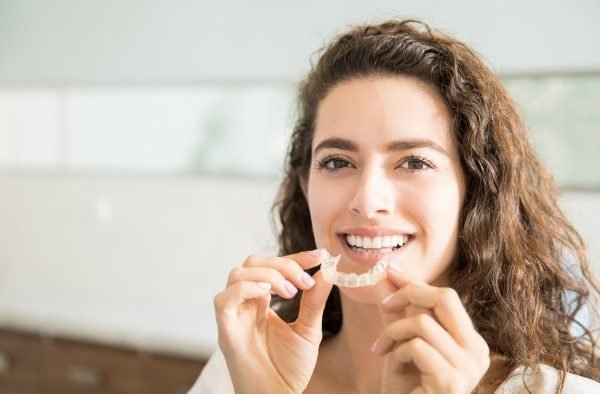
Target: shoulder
<point>214,377</point>
<point>544,379</point>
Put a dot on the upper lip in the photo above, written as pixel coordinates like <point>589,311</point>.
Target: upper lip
<point>374,231</point>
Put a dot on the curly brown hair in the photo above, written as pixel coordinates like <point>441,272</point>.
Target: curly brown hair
<point>513,238</point>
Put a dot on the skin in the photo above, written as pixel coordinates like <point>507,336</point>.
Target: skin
<point>409,333</point>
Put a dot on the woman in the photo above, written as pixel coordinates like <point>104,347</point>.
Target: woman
<point>408,149</point>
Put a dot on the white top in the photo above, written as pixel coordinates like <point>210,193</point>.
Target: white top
<point>214,379</point>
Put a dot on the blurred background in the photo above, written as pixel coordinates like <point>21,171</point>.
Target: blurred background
<point>141,145</point>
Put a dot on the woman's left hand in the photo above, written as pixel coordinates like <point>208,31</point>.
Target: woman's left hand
<point>428,333</point>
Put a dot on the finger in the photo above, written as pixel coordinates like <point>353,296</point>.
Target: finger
<point>291,266</point>
<point>445,303</point>
<point>423,326</point>
<point>306,259</point>
<point>400,277</point>
<point>424,356</point>
<point>232,297</point>
<point>279,284</point>
<point>312,305</point>
<point>397,278</point>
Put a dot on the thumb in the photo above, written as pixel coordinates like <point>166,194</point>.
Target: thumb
<point>310,317</point>
<point>397,278</point>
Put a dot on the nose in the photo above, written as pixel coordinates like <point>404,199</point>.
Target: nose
<point>373,195</point>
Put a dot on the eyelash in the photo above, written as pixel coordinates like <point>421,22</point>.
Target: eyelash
<point>322,164</point>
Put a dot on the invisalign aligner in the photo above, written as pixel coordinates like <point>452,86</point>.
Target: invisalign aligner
<point>369,278</point>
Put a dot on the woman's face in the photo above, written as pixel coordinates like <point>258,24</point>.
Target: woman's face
<point>386,170</point>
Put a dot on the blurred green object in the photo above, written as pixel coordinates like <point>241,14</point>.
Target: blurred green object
<point>562,113</point>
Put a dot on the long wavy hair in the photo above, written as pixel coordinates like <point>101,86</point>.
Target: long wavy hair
<point>514,240</point>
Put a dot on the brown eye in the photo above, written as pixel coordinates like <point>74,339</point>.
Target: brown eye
<point>414,164</point>
<point>334,164</point>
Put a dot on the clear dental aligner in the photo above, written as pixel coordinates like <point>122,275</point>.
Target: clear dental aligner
<point>369,278</point>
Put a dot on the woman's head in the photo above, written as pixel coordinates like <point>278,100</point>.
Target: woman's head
<point>482,132</point>
<point>510,235</point>
<point>385,170</point>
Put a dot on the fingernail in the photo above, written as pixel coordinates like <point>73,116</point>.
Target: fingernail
<point>374,346</point>
<point>264,285</point>
<point>387,299</point>
<point>307,279</point>
<point>290,288</point>
<point>317,252</point>
<point>394,266</point>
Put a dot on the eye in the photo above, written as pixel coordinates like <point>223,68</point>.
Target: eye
<point>416,163</point>
<point>332,163</point>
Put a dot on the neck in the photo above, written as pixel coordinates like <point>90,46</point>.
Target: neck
<point>351,347</point>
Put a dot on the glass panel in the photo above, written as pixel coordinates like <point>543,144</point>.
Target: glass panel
<point>563,115</point>
<point>244,129</point>
<point>29,128</point>
<point>224,130</point>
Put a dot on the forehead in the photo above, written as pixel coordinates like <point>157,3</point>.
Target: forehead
<point>380,109</point>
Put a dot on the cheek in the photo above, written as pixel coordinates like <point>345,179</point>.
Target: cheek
<point>324,204</point>
<point>437,208</point>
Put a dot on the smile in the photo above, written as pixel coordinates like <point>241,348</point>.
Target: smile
<point>369,245</point>
<point>382,244</point>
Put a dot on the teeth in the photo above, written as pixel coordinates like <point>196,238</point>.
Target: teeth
<point>386,242</point>
<point>366,243</point>
<point>376,242</point>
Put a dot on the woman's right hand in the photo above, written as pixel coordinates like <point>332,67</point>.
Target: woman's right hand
<point>264,353</point>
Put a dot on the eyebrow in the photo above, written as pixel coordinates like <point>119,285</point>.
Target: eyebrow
<point>394,146</point>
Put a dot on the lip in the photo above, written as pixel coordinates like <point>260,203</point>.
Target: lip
<point>371,257</point>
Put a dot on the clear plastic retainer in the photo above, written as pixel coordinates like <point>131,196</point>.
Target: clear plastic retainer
<point>370,278</point>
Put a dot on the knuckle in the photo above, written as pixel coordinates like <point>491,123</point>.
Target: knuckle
<point>449,295</point>
<point>218,301</point>
<point>252,260</point>
<point>287,261</point>
<point>423,321</point>
<point>234,275</point>
<point>416,344</point>
<point>444,384</point>
<point>289,265</point>
<point>456,385</point>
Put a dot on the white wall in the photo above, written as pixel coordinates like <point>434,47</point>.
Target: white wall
<point>133,261</point>
<point>125,41</point>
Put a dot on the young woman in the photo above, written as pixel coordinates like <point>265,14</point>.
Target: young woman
<point>408,149</point>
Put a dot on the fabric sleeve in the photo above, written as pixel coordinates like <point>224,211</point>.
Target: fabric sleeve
<point>545,380</point>
<point>214,378</point>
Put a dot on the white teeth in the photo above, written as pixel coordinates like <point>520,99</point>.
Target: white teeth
<point>376,243</point>
<point>390,241</point>
<point>369,278</point>
<point>386,242</point>
<point>366,243</point>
